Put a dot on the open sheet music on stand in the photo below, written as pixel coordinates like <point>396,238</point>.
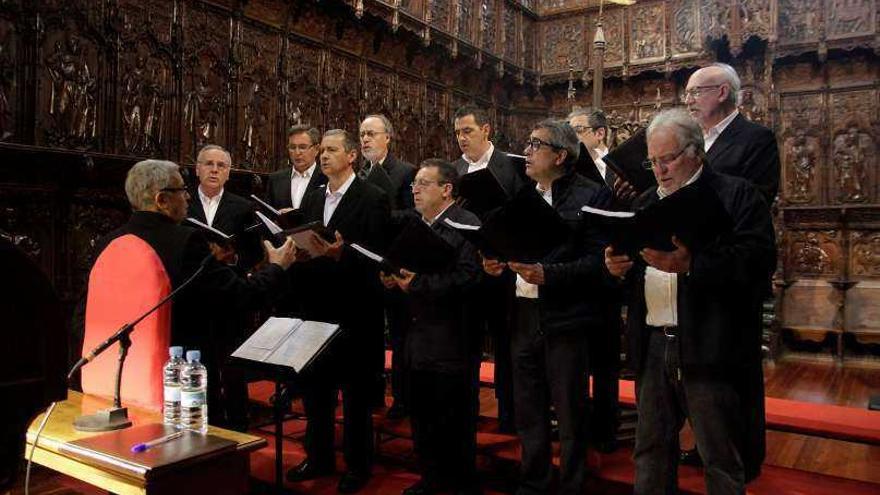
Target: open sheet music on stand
<point>287,342</point>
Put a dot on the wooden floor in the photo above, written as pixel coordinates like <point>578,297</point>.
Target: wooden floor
<point>788,379</point>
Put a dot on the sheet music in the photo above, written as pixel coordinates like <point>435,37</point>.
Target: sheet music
<point>207,227</point>
<point>607,213</point>
<point>266,205</point>
<point>460,226</point>
<point>308,240</point>
<point>307,340</point>
<point>273,227</point>
<point>267,338</point>
<point>366,252</point>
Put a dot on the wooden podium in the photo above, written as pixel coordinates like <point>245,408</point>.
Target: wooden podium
<point>225,474</point>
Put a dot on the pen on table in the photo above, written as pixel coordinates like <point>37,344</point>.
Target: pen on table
<point>140,447</point>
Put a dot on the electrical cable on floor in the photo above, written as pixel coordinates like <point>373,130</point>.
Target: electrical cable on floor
<point>27,475</point>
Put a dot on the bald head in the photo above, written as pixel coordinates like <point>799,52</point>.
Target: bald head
<point>711,94</point>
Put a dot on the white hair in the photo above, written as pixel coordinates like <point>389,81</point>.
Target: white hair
<point>687,131</point>
<point>732,80</point>
<point>212,147</point>
<point>145,179</point>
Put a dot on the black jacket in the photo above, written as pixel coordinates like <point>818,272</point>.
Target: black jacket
<point>347,291</point>
<point>399,192</point>
<point>511,177</point>
<point>200,313</point>
<point>278,189</point>
<point>719,300</point>
<point>574,293</point>
<point>748,150</point>
<point>234,215</point>
<point>442,335</point>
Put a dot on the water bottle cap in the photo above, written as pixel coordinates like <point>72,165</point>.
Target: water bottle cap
<point>175,351</point>
<point>193,356</point>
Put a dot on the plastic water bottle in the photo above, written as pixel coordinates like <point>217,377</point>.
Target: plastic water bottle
<point>171,379</point>
<point>194,394</point>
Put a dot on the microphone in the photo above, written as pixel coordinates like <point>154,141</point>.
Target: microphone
<point>127,328</point>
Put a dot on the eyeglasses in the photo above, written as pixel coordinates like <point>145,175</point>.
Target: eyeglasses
<point>664,161</point>
<point>219,165</point>
<point>582,128</point>
<point>425,183</point>
<point>698,91</point>
<point>173,189</point>
<point>371,134</point>
<point>535,144</point>
<point>300,147</point>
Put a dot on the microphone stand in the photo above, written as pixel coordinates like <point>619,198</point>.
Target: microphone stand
<point>116,417</point>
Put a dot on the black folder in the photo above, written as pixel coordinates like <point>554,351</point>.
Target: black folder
<point>627,159</point>
<point>693,214</point>
<point>587,167</point>
<point>418,248</point>
<point>480,192</point>
<point>380,178</point>
<point>526,229</point>
<point>219,237</point>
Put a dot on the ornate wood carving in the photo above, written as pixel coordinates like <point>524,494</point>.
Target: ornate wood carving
<point>489,25</point>
<point>509,38</point>
<point>302,69</point>
<point>408,117</point>
<point>647,32</point>
<point>853,147</point>
<point>9,77</point>
<point>684,31</point>
<point>802,155</point>
<point>864,259</point>
<point>815,254</point>
<point>799,21</point>
<point>258,84</point>
<point>563,44</point>
<point>850,18</point>
<point>342,92</point>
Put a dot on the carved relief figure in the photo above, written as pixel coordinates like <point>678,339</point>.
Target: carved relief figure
<point>7,79</point>
<point>866,255</point>
<point>849,17</point>
<point>564,45</point>
<point>72,105</point>
<point>143,105</point>
<point>799,19</point>
<point>811,258</point>
<point>647,32</point>
<point>802,158</point>
<point>849,156</point>
<point>685,28</point>
<point>201,108</point>
<point>256,125</point>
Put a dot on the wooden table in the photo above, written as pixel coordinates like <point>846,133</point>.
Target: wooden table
<point>224,475</point>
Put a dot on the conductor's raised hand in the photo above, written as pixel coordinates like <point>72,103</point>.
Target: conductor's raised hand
<point>678,261</point>
<point>618,264</point>
<point>283,256</point>
<point>532,273</point>
<point>493,267</point>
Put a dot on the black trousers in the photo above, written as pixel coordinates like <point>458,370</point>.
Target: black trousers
<point>549,370</point>
<point>444,427</point>
<point>604,349</point>
<point>495,308</point>
<point>320,392</point>
<point>398,316</point>
<point>665,396</point>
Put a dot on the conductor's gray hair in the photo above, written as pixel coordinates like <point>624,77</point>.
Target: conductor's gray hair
<point>686,130</point>
<point>732,80</point>
<point>145,179</point>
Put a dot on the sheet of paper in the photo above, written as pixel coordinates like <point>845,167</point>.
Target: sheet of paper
<point>366,252</point>
<point>266,205</point>
<point>267,338</point>
<point>460,226</point>
<point>273,227</point>
<point>207,227</point>
<point>308,339</point>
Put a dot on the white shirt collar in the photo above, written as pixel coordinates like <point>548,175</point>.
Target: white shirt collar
<point>712,134</point>
<point>483,162</point>
<point>342,189</point>
<point>305,175</point>
<point>205,199</point>
<point>438,215</point>
<point>663,194</point>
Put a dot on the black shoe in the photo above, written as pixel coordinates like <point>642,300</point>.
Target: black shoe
<point>421,487</point>
<point>307,470</point>
<point>396,412</point>
<point>352,482</point>
<point>690,458</point>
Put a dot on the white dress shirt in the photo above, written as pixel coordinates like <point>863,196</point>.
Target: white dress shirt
<point>600,164</point>
<point>299,182</point>
<point>482,163</point>
<point>710,136</point>
<point>661,288</point>
<point>210,205</point>
<point>523,288</point>
<point>332,198</point>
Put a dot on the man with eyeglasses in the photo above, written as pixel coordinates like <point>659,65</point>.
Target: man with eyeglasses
<point>694,317</point>
<point>591,126</point>
<point>376,134</point>
<point>734,145</point>
<point>200,314</point>
<point>441,351</point>
<point>558,302</point>
<point>472,132</point>
<point>288,186</point>
<point>738,147</point>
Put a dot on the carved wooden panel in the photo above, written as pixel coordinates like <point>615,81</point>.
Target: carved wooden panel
<point>10,91</point>
<point>467,10</point>
<point>647,32</point>
<point>798,77</point>
<point>302,68</point>
<point>799,21</point>
<point>342,90</point>
<point>408,118</point>
<point>755,18</point>
<point>528,43</point>
<point>206,79</point>
<point>72,74</point>
<point>563,44</point>
<point>489,23</point>
<point>853,146</point>
<point>715,18</point>
<point>862,313</point>
<point>803,157</point>
<point>815,254</point>
<point>509,40</point>
<point>438,124</point>
<point>257,98</point>
<point>850,18</point>
<point>613,25</point>
<point>442,15</point>
<point>378,91</point>
<point>811,308</point>
<point>684,32</point>
<point>864,260</point>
